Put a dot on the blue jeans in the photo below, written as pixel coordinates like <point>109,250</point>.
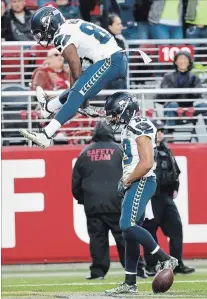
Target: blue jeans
<point>130,33</point>
<point>196,32</point>
<point>159,31</point>
<point>173,113</point>
<point>95,78</point>
<point>135,201</point>
<point>143,31</point>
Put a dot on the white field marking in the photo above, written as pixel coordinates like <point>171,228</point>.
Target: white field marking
<point>66,273</point>
<point>91,283</point>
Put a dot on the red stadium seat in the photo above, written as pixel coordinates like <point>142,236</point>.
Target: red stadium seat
<point>190,112</point>
<point>79,124</point>
<point>31,4</point>
<point>180,112</point>
<point>149,113</point>
<point>40,52</point>
<point>11,62</point>
<point>10,65</point>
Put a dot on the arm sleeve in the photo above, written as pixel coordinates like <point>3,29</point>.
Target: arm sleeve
<point>166,83</point>
<point>177,184</point>
<point>77,183</point>
<point>120,150</point>
<point>197,84</point>
<point>177,169</point>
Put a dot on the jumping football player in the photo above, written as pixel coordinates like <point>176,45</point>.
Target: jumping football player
<point>137,185</point>
<point>75,39</point>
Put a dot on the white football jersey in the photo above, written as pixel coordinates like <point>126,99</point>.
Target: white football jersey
<point>91,41</point>
<point>138,126</point>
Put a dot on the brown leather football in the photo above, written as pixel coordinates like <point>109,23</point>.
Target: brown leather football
<point>162,281</point>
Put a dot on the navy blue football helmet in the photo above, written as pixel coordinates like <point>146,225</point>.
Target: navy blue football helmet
<point>45,23</point>
<point>120,108</point>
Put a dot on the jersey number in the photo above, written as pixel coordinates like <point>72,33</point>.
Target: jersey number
<point>60,41</point>
<point>102,36</point>
<point>127,152</point>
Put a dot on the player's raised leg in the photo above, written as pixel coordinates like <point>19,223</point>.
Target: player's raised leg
<point>76,40</point>
<point>91,81</point>
<point>50,105</point>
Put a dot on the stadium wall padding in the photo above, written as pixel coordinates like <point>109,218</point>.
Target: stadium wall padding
<point>42,223</point>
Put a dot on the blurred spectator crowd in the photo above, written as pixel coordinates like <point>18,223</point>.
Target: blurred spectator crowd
<point>141,19</point>
<point>125,20</point>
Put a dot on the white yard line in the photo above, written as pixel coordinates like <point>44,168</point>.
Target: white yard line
<point>81,266</point>
<point>68,273</point>
<point>90,283</point>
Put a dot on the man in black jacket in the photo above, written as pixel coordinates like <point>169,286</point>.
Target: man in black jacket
<point>95,177</point>
<point>182,78</point>
<point>165,212</point>
<point>16,22</point>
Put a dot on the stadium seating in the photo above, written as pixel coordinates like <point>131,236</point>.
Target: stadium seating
<point>12,116</point>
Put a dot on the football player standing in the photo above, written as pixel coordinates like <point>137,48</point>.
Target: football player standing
<point>137,185</point>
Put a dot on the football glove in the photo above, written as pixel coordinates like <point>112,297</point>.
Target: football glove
<point>121,188</point>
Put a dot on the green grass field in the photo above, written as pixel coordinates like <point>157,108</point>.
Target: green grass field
<point>57,282</point>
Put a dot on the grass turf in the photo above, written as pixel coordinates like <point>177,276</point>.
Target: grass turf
<point>185,286</point>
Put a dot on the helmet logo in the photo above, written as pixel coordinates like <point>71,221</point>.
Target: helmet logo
<point>121,103</point>
<point>45,21</point>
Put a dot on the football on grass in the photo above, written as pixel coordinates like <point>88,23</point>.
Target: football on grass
<point>162,281</point>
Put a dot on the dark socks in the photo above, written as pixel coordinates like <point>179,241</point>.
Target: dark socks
<point>161,255</point>
<point>132,253</point>
<point>130,279</point>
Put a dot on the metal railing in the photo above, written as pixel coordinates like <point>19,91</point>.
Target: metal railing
<point>190,126</point>
<point>19,59</point>
<point>162,52</point>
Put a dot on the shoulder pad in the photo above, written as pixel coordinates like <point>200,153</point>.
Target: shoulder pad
<point>61,38</point>
<point>140,126</point>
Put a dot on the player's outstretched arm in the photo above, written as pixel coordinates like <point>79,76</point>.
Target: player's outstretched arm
<point>71,56</point>
<point>145,151</point>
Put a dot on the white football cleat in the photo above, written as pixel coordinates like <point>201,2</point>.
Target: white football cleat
<point>39,138</point>
<point>43,99</point>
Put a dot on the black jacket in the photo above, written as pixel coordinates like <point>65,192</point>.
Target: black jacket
<point>119,40</point>
<point>97,172</point>
<point>167,170</point>
<point>180,80</point>
<point>109,6</point>
<point>13,30</point>
<point>141,10</point>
